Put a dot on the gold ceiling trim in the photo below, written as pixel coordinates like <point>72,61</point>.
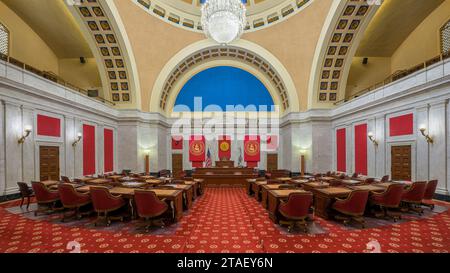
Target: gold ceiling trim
<point>219,53</point>
<point>192,22</point>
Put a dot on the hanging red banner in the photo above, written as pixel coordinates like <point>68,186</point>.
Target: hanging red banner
<point>252,149</point>
<point>177,143</point>
<point>224,148</point>
<point>197,149</point>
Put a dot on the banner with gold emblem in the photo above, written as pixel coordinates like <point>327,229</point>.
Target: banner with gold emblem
<point>252,150</point>
<point>197,150</point>
<point>224,147</point>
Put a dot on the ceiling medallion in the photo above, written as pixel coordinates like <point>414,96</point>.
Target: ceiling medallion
<point>223,20</point>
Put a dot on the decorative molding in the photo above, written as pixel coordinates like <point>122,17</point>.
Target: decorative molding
<point>348,20</point>
<point>111,49</point>
<point>189,19</point>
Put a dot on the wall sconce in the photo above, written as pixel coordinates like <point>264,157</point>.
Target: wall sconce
<point>372,138</point>
<point>427,136</point>
<point>79,136</point>
<point>27,132</point>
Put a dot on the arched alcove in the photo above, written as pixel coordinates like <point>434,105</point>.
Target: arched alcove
<point>224,86</point>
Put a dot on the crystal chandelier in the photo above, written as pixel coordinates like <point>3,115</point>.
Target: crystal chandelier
<point>223,20</point>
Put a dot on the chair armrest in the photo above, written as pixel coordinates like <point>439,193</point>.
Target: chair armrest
<point>163,200</point>
<point>116,196</point>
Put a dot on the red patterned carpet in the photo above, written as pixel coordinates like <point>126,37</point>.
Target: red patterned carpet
<point>223,220</point>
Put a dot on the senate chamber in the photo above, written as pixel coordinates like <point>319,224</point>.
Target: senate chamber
<point>224,126</point>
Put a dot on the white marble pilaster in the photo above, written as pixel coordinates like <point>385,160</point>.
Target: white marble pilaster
<point>423,153</point>
<point>437,129</point>
<point>2,149</point>
<point>371,148</point>
<point>70,135</point>
<point>28,147</point>
<point>100,144</point>
<point>13,150</point>
<point>380,153</point>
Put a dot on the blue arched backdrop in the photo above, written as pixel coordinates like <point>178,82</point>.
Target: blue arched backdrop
<point>222,86</point>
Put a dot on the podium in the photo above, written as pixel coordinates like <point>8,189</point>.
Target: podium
<point>225,164</point>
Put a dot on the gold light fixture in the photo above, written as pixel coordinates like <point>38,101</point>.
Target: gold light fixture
<point>427,136</point>
<point>372,138</point>
<point>27,131</point>
<point>79,137</point>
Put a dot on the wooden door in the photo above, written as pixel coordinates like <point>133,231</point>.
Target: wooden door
<point>272,162</point>
<point>49,163</point>
<point>177,164</point>
<point>401,162</point>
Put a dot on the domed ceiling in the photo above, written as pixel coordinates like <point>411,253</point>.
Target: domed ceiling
<point>186,13</point>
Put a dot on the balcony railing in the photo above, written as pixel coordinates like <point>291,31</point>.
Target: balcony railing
<point>397,76</point>
<point>50,76</point>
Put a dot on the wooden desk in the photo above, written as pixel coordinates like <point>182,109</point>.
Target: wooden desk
<point>175,197</point>
<point>194,185</point>
<point>264,189</point>
<point>351,182</point>
<point>98,181</point>
<point>49,183</point>
<point>306,176</point>
<point>249,185</point>
<point>373,188</point>
<point>327,178</point>
<point>300,181</point>
<point>147,177</point>
<point>84,179</point>
<point>232,179</point>
<point>387,184</point>
<point>274,199</point>
<point>324,198</point>
<point>315,185</point>
<point>115,177</point>
<point>188,193</point>
<point>225,164</point>
<point>283,179</point>
<point>256,187</point>
<point>154,182</point>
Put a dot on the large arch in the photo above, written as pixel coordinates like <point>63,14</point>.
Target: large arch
<point>342,32</point>
<point>105,33</point>
<point>242,54</point>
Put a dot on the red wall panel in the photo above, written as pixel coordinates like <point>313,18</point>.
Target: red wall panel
<point>88,149</point>
<point>401,125</point>
<point>361,149</point>
<point>109,150</point>
<point>177,143</point>
<point>48,126</point>
<point>341,150</point>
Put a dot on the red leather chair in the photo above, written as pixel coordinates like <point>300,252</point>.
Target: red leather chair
<point>389,199</point>
<point>65,179</point>
<point>334,183</point>
<point>25,191</point>
<point>385,179</point>
<point>149,207</point>
<point>352,207</point>
<point>105,203</point>
<point>369,180</point>
<point>73,200</point>
<point>413,196</point>
<point>429,194</point>
<point>45,198</point>
<point>296,209</point>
